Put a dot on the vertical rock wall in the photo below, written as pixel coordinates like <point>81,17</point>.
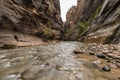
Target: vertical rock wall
<point>29,17</point>
<point>94,21</point>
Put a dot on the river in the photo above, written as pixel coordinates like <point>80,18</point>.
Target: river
<point>48,62</point>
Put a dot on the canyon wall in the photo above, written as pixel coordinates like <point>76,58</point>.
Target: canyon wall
<point>22,20</point>
<point>94,21</point>
<point>27,21</point>
<point>81,16</point>
<point>106,26</point>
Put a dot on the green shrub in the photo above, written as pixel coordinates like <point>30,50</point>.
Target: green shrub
<point>82,26</point>
<point>47,32</point>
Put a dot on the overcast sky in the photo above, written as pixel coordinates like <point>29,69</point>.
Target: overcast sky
<point>65,6</point>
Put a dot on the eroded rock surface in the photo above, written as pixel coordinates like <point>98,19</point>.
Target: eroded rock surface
<point>106,27</point>
<point>29,17</point>
<point>94,21</point>
<point>81,16</point>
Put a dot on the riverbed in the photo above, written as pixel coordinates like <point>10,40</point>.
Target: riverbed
<point>50,62</point>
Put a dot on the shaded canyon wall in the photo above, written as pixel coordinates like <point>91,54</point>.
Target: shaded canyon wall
<point>94,21</point>
<point>20,19</point>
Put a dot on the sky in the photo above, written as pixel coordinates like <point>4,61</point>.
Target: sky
<point>65,6</point>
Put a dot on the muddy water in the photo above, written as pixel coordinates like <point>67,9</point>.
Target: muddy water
<point>48,62</point>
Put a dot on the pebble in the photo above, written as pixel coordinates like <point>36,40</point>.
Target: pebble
<point>78,51</point>
<point>105,51</point>
<point>100,55</point>
<point>108,61</point>
<point>96,63</point>
<point>118,64</point>
<point>118,78</point>
<point>91,53</point>
<point>113,65</point>
<point>106,68</point>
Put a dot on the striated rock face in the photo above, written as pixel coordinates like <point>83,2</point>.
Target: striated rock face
<point>82,15</point>
<point>95,21</point>
<point>70,17</point>
<point>106,27</point>
<point>86,9</point>
<point>83,11</point>
<point>71,14</point>
<point>19,18</point>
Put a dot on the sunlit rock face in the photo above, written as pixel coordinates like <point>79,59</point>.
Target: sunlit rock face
<point>106,27</point>
<point>31,17</point>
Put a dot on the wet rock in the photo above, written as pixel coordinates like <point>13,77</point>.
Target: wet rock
<point>113,62</point>
<point>2,56</point>
<point>118,78</point>
<point>11,77</point>
<point>101,55</point>
<point>118,64</point>
<point>97,63</point>
<point>78,51</point>
<point>108,61</point>
<point>91,53</point>
<point>106,68</point>
<point>112,65</point>
<point>105,51</point>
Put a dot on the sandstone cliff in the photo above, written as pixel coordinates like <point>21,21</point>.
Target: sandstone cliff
<point>106,26</point>
<point>20,19</point>
<point>81,17</point>
<point>94,21</point>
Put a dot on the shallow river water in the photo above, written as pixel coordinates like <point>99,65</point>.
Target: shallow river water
<point>49,62</point>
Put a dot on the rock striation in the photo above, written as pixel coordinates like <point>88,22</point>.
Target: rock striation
<point>94,21</point>
<point>81,16</point>
<point>29,18</point>
<point>106,26</point>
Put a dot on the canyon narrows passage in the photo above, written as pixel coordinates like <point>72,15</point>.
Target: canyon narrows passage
<point>37,44</point>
